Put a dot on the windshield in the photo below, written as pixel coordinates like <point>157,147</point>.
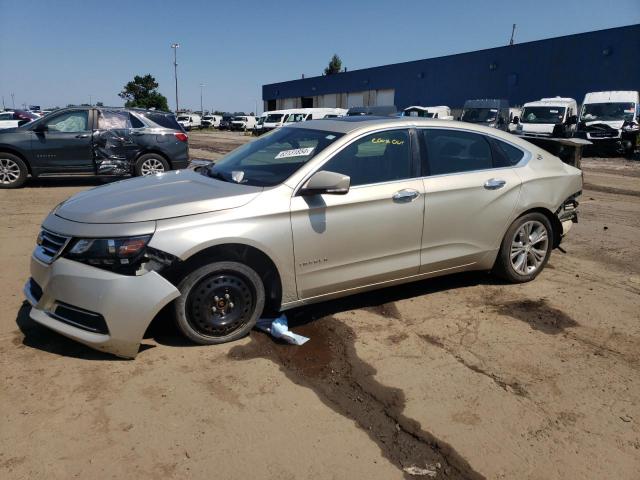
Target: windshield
<point>608,111</point>
<point>419,113</point>
<point>542,115</point>
<point>274,117</point>
<point>480,115</point>
<point>183,118</point>
<point>239,119</point>
<point>272,159</point>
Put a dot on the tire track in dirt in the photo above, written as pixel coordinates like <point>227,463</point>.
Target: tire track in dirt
<point>328,364</point>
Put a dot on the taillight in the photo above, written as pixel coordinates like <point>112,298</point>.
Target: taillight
<point>183,137</point>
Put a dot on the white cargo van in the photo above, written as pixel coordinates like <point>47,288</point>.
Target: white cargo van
<point>548,117</point>
<point>211,121</point>
<point>305,114</point>
<point>274,119</point>
<point>189,120</point>
<point>610,120</point>
<point>442,112</point>
<point>243,122</point>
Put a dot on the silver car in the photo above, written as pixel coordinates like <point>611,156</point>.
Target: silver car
<point>311,211</point>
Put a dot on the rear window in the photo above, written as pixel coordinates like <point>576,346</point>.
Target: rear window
<point>166,120</point>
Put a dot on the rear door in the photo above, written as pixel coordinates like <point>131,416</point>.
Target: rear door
<point>471,191</point>
<point>66,143</point>
<point>370,235</point>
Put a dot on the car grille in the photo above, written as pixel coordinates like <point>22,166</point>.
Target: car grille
<point>50,245</point>
<point>603,133</point>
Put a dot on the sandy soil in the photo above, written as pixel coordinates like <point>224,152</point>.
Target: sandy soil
<point>463,376</point>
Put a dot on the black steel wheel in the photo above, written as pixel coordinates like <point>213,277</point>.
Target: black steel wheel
<point>220,302</point>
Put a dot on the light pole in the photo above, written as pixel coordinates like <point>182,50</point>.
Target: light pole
<point>175,47</point>
<point>201,107</point>
<point>13,101</point>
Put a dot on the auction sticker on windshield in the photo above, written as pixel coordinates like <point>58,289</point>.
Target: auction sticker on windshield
<point>296,152</point>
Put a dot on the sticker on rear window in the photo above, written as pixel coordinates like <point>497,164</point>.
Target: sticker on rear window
<point>330,137</point>
<point>296,152</point>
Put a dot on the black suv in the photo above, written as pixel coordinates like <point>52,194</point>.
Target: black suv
<point>93,141</point>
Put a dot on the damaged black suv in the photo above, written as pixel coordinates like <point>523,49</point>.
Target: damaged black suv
<point>93,141</point>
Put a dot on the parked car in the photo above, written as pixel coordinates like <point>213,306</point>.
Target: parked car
<point>243,122</point>
<point>189,121</point>
<point>490,112</point>
<point>548,117</point>
<point>211,121</point>
<point>442,112</point>
<point>92,141</point>
<point>225,122</point>
<point>611,121</point>
<point>379,110</point>
<point>294,218</point>
<point>16,118</point>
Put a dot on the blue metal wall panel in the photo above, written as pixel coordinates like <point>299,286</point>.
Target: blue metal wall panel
<point>568,66</point>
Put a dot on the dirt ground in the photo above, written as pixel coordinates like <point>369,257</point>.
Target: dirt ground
<point>456,377</point>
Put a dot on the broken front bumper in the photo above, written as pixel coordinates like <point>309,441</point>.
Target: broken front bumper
<point>104,310</point>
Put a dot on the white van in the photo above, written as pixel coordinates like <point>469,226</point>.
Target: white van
<point>274,119</point>
<point>305,114</point>
<point>610,120</point>
<point>189,120</point>
<point>243,122</point>
<point>442,112</point>
<point>211,121</point>
<point>548,117</point>
<point>257,130</point>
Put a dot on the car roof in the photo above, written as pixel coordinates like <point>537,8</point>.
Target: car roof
<point>128,109</point>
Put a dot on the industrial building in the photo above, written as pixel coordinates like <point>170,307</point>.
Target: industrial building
<point>568,66</point>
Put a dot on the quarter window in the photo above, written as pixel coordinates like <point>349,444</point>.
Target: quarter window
<point>69,122</point>
<point>451,151</point>
<point>510,154</point>
<point>380,157</point>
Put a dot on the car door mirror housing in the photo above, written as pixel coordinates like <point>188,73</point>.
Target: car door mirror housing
<point>325,182</point>
<point>515,120</point>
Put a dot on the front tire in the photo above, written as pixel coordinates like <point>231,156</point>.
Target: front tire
<point>525,248</point>
<point>150,164</point>
<point>13,171</point>
<point>219,303</point>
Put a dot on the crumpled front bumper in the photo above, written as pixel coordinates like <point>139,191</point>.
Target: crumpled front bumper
<point>127,304</point>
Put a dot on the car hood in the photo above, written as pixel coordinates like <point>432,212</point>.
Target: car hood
<point>538,127</point>
<point>617,124</point>
<point>156,197</point>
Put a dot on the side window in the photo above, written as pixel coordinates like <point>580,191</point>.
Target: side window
<point>113,120</point>
<point>508,154</point>
<point>451,151</point>
<point>380,157</point>
<point>135,121</point>
<point>69,122</point>
<point>6,116</point>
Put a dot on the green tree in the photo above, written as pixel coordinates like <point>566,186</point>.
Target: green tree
<point>142,93</point>
<point>99,104</point>
<point>335,65</point>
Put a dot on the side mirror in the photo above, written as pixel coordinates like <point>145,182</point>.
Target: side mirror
<point>515,119</point>
<point>41,128</point>
<point>326,182</point>
<point>572,120</point>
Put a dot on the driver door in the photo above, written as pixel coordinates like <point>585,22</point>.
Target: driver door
<point>370,235</point>
<point>64,144</point>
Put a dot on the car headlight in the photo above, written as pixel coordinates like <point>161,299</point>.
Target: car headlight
<point>110,253</point>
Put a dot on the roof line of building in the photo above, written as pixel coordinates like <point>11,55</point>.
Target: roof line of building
<point>634,25</point>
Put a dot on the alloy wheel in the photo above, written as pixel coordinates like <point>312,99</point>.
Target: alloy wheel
<point>151,166</point>
<point>9,171</point>
<point>529,247</point>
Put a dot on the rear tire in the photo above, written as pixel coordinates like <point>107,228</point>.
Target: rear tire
<point>219,303</point>
<point>150,164</point>
<point>13,171</point>
<point>525,248</point>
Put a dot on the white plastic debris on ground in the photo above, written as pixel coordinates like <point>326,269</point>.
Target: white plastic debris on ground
<point>279,328</point>
<point>421,472</point>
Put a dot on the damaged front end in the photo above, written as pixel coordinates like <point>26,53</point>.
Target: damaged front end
<point>608,139</point>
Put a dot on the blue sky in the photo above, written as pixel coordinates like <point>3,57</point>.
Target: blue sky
<point>55,53</point>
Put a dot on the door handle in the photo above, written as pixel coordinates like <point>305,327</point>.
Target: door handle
<point>405,195</point>
<point>494,184</point>
<point>83,135</point>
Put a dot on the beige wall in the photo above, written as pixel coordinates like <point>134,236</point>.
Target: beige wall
<point>365,98</point>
